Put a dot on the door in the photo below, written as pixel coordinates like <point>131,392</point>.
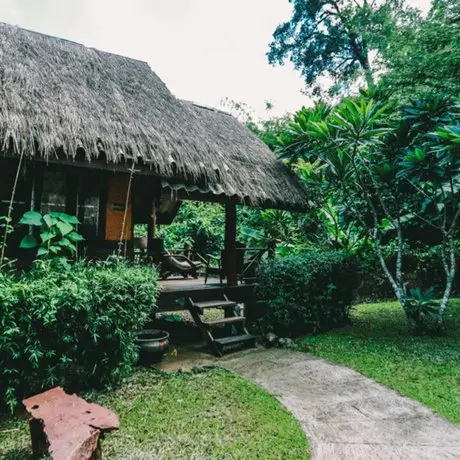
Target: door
<point>118,216</point>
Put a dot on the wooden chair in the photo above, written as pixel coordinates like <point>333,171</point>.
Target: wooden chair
<point>173,262</point>
<point>247,260</point>
<point>184,262</point>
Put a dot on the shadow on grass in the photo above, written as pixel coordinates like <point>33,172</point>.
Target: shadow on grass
<point>17,454</point>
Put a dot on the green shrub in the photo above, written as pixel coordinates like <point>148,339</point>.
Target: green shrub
<point>71,325</point>
<point>309,292</point>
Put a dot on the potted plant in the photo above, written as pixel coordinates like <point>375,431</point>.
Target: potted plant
<point>153,344</point>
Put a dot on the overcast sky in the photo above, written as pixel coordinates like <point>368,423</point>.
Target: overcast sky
<point>204,50</point>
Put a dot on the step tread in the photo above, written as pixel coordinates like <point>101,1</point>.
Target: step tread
<point>215,304</point>
<point>224,341</point>
<point>230,320</point>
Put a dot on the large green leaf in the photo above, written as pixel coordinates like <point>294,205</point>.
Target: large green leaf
<point>76,237</point>
<point>65,243</point>
<point>31,218</point>
<point>65,217</point>
<point>64,228</point>
<point>48,235</point>
<point>55,249</point>
<point>28,242</point>
<point>42,252</point>
<point>49,220</point>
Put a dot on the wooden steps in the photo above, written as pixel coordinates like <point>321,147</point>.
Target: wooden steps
<point>234,324</point>
<point>236,342</point>
<point>214,304</point>
<point>230,320</point>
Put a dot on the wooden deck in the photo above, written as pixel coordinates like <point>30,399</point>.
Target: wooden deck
<point>175,291</point>
<point>189,284</point>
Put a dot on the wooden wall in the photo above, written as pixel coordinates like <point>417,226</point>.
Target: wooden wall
<point>115,209</point>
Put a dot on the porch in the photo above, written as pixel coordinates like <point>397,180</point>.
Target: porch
<point>175,292</point>
<point>109,205</point>
<point>226,328</point>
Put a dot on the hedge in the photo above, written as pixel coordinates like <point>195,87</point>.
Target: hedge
<point>71,325</point>
<point>310,292</point>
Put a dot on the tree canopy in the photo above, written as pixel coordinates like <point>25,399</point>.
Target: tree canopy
<point>338,38</point>
<point>426,59</point>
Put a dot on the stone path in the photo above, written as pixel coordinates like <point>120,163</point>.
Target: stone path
<point>344,414</point>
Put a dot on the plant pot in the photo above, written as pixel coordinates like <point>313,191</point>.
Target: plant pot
<point>153,344</point>
<point>141,243</point>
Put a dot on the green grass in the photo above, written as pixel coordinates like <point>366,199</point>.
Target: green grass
<point>379,345</point>
<point>213,414</point>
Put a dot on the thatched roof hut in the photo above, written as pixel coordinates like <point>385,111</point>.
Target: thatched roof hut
<point>60,100</point>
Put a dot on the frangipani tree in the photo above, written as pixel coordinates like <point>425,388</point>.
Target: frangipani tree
<point>370,162</point>
<point>431,165</point>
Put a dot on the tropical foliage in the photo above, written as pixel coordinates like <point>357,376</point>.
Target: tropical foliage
<point>425,58</point>
<point>384,169</point>
<point>339,44</point>
<point>71,325</point>
<point>337,38</point>
<point>202,226</point>
<point>55,235</point>
<point>310,292</point>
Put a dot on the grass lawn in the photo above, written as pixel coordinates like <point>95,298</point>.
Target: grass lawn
<point>379,345</point>
<point>212,414</point>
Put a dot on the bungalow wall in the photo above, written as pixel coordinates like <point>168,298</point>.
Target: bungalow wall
<point>96,197</point>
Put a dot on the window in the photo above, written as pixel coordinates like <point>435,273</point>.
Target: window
<point>21,201</point>
<point>89,205</point>
<point>54,192</point>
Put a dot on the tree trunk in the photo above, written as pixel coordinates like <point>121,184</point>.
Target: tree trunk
<point>398,289</point>
<point>369,78</point>
<point>450,268</point>
<point>362,56</point>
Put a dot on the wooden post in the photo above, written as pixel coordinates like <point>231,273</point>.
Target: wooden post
<point>230,244</point>
<point>151,226</point>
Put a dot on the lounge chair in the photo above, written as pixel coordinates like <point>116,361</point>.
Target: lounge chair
<point>178,264</point>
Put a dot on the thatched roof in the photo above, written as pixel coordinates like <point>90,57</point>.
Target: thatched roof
<point>61,99</point>
<point>250,167</point>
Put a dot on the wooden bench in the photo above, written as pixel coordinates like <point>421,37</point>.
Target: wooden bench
<point>66,427</point>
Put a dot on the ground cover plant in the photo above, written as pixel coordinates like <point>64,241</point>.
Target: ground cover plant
<point>56,233</point>
<point>379,345</point>
<point>213,414</point>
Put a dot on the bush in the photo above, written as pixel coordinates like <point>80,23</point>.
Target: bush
<point>71,325</point>
<point>310,292</point>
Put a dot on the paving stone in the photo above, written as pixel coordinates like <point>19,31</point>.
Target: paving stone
<point>345,415</point>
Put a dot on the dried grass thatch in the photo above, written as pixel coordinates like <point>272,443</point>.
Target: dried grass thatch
<point>59,98</point>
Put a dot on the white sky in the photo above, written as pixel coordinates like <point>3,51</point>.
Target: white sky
<point>204,50</point>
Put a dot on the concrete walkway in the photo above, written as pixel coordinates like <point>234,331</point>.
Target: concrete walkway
<point>344,414</point>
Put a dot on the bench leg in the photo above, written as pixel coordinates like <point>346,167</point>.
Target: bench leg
<point>39,440</point>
